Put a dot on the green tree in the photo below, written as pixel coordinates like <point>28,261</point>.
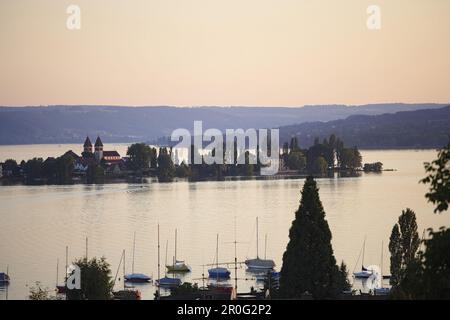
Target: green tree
<point>182,171</point>
<point>396,256</point>
<point>320,166</point>
<point>403,245</point>
<point>166,168</point>
<point>64,168</point>
<point>439,180</point>
<point>296,161</point>
<point>428,276</point>
<point>350,158</point>
<point>11,167</point>
<point>344,283</point>
<point>96,282</point>
<point>140,156</point>
<point>95,173</point>
<point>308,262</point>
<point>38,292</point>
<point>33,170</point>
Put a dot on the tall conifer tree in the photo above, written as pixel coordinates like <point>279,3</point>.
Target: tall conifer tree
<point>309,265</point>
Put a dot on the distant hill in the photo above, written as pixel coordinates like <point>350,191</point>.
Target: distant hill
<point>71,124</point>
<point>410,129</point>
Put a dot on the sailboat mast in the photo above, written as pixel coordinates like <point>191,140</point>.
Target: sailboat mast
<point>57,271</point>
<point>265,247</point>
<point>167,245</point>
<point>86,248</point>
<point>159,265</point>
<point>381,264</point>
<point>175,257</point>
<point>364,249</point>
<point>124,269</point>
<point>134,248</point>
<point>235,257</point>
<point>257,239</point>
<point>217,257</point>
<point>67,266</point>
<point>217,251</point>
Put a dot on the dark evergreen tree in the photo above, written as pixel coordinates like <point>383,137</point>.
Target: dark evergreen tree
<point>396,256</point>
<point>309,265</point>
<point>403,245</point>
<point>439,180</point>
<point>96,282</point>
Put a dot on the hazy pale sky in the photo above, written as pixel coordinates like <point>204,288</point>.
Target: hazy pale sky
<point>224,52</point>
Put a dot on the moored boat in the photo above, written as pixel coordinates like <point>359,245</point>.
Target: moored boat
<point>257,264</point>
<point>167,282</point>
<point>178,266</point>
<point>137,278</point>
<point>364,273</point>
<point>218,273</point>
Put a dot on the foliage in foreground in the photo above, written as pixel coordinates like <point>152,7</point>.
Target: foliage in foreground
<point>309,265</point>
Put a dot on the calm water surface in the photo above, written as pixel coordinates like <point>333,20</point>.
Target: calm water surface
<point>37,222</point>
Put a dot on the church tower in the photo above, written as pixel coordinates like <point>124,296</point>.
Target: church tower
<point>98,149</point>
<point>87,145</point>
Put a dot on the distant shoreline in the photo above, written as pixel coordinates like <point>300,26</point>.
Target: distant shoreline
<point>131,142</point>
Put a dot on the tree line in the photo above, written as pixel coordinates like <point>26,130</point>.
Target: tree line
<point>144,160</point>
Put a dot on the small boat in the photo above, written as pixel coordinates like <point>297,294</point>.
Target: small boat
<point>364,273</point>
<point>167,282</point>
<point>382,291</point>
<point>263,276</point>
<point>259,264</point>
<point>4,278</point>
<point>127,295</point>
<point>136,277</point>
<point>178,266</point>
<point>218,273</point>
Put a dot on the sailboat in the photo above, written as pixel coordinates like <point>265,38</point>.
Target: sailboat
<point>364,273</point>
<point>136,277</point>
<point>62,288</point>
<point>382,291</point>
<point>218,273</point>
<point>178,266</point>
<point>167,282</point>
<point>259,264</point>
<point>126,293</point>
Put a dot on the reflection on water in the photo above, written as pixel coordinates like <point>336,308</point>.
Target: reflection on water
<point>39,221</point>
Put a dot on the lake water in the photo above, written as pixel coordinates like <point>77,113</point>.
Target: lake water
<point>37,222</point>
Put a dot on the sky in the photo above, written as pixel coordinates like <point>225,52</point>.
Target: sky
<point>223,52</point>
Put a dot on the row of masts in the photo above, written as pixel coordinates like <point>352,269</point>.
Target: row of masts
<point>176,266</point>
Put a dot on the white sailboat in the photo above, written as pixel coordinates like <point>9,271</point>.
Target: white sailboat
<point>258,264</point>
<point>136,277</point>
<point>381,291</point>
<point>178,266</point>
<point>218,273</point>
<point>364,273</point>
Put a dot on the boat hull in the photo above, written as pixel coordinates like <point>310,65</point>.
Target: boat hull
<point>259,264</point>
<point>137,278</point>
<point>219,273</point>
